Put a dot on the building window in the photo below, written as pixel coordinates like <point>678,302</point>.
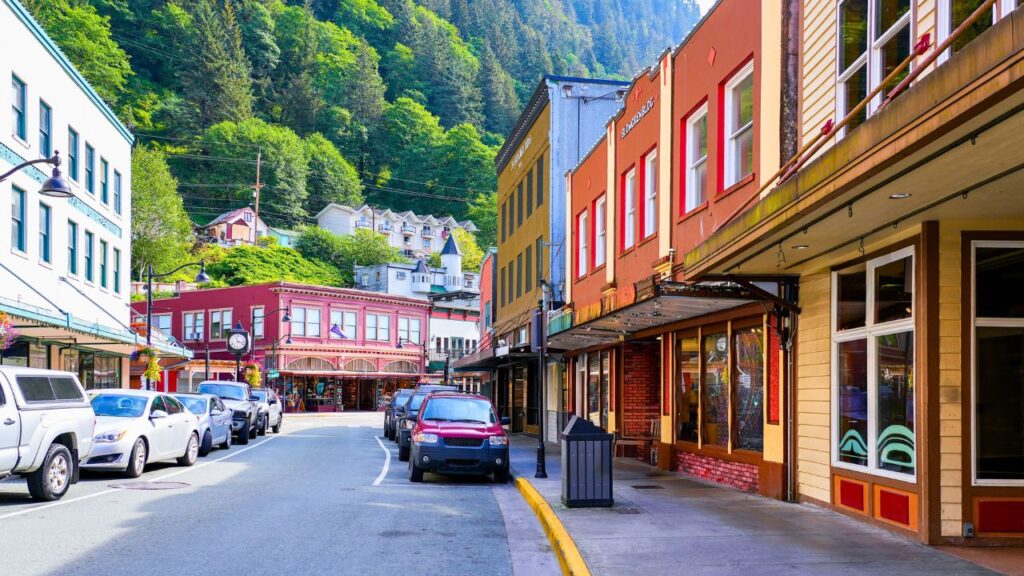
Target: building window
<point>409,330</point>
<point>739,126</point>
<point>117,192</point>
<point>90,168</point>
<point>346,323</point>
<point>687,388</point>
<point>598,390</point>
<point>72,154</point>
<point>162,322</point>
<point>89,253</point>
<point>306,322</point>
<point>503,215</point>
<point>748,388</point>
<point>873,381</point>
<point>953,13</point>
<point>875,37</point>
<point>194,326</point>
<point>72,248</point>
<point>44,233</point>
<point>715,390</point>
<point>247,216</point>
<point>600,234</point>
<point>104,188</point>
<point>697,159</point>
<point>18,107</point>
<point>220,323</point>
<point>529,193</point>
<point>117,271</point>
<point>629,209</point>
<point>650,193</point>
<point>45,130</point>
<point>258,322</point>
<point>583,256</point>
<point>103,263</point>
<point>519,202</point>
<point>529,269</point>
<point>501,287</point>
<point>519,275</point>
<point>540,180</point>
<point>378,327</point>
<point>539,251</point>
<point>998,375</point>
<point>17,219</point>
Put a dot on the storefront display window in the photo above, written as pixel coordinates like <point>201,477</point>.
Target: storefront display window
<point>873,344</point>
<point>998,379</point>
<point>26,354</point>
<point>749,346</point>
<point>687,388</point>
<point>594,389</point>
<point>716,389</point>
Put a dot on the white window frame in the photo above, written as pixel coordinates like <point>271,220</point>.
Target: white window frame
<point>221,314</point>
<point>650,194</point>
<point>693,163</point>
<point>985,323</point>
<point>313,327</point>
<point>732,133</point>
<point>872,58</point>
<point>198,318</point>
<point>945,19</point>
<point>412,332</point>
<point>381,330</point>
<point>583,253</point>
<point>298,323</point>
<point>870,332</point>
<point>629,209</point>
<point>600,225</point>
<point>158,322</point>
<point>258,322</point>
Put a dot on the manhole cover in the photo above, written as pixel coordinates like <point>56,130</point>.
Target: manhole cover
<point>646,487</point>
<point>149,485</point>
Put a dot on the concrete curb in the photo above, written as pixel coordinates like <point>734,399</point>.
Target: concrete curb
<point>561,542</point>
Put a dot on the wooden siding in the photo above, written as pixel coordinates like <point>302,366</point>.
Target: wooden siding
<point>813,387</point>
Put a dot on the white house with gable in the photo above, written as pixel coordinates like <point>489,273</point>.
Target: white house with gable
<point>414,235</point>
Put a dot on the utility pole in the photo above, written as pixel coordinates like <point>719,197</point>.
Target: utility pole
<point>256,193</point>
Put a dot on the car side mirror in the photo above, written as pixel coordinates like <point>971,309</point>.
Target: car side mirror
<point>157,414</point>
<point>506,421</point>
<point>273,401</point>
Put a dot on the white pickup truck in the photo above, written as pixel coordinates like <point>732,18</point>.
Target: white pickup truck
<point>46,428</point>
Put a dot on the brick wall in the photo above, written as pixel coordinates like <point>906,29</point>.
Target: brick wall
<point>641,390</point>
<point>735,474</point>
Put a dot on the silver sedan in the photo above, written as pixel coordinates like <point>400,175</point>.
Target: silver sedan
<point>214,420</point>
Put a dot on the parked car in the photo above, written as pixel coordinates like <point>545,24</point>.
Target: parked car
<point>270,406</point>
<point>46,429</point>
<point>389,411</point>
<point>138,427</point>
<point>406,421</point>
<point>214,419</point>
<point>458,434</point>
<point>436,388</point>
<point>245,414</point>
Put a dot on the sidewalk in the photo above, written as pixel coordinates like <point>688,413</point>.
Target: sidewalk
<point>664,523</point>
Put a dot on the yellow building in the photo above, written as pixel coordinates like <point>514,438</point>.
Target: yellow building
<point>905,226</point>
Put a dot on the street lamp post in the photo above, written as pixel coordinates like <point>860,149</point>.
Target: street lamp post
<point>252,326</point>
<point>55,186</point>
<point>201,278</point>
<point>423,352</point>
<point>541,369</point>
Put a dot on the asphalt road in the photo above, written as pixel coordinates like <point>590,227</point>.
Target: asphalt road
<point>325,496</point>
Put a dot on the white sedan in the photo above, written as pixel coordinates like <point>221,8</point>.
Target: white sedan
<point>136,427</point>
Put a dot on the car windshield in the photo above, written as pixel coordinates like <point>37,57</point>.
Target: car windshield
<point>195,404</point>
<point>459,410</point>
<point>399,399</point>
<point>260,395</point>
<point>415,402</point>
<point>119,405</point>
<point>226,391</point>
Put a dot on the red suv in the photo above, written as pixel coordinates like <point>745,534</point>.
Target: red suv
<point>458,434</point>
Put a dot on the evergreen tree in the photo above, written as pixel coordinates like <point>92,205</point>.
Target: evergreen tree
<point>297,99</point>
<point>161,229</point>
<point>500,102</point>
<point>330,177</point>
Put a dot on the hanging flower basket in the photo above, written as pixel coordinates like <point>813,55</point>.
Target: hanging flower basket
<point>149,354</point>
<point>8,333</point>
<point>253,375</point>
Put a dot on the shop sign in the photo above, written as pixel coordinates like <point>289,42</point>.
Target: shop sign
<point>273,373</point>
<point>637,117</point>
<point>502,350</point>
<point>522,150</point>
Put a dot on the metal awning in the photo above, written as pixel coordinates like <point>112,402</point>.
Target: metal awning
<point>657,304</point>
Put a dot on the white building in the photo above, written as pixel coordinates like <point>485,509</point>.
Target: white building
<point>454,328</point>
<point>416,236</point>
<point>66,264</point>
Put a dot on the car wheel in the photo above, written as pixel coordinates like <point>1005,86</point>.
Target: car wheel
<point>415,473</point>
<point>52,480</point>
<point>403,453</point>
<point>137,460</point>
<point>261,428</point>
<point>227,441</point>
<point>191,451</point>
<point>244,434</point>
<point>277,427</point>
<point>207,444</point>
<point>501,476</point>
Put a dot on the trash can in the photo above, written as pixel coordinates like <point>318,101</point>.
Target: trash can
<point>586,465</point>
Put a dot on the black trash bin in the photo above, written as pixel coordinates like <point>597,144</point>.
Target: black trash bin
<point>586,465</point>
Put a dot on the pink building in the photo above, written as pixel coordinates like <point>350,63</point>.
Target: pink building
<point>340,349</point>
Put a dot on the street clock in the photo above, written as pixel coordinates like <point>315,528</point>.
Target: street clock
<point>238,342</point>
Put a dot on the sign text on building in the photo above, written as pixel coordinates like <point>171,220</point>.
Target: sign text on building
<point>638,117</point>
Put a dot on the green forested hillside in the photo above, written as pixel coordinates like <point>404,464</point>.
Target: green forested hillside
<point>400,103</point>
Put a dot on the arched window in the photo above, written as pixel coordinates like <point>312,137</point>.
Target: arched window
<point>310,364</point>
<point>403,366</point>
<point>360,365</point>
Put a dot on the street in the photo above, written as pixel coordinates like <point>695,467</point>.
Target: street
<point>315,499</point>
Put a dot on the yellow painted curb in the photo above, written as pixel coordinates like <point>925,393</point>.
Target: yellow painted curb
<point>564,546</point>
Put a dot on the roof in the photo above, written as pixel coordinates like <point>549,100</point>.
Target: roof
<point>231,215</point>
<point>403,215</point>
<point>451,247</point>
<point>421,267</point>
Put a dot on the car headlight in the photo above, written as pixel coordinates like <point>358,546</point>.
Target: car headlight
<point>425,438</point>
<point>499,440</point>
<point>408,424</point>
<point>110,436</point>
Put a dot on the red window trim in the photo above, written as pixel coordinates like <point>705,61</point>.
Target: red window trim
<point>593,230</point>
<point>622,209</point>
<point>642,195</point>
<point>684,160</point>
<point>720,148</point>
<point>576,253</point>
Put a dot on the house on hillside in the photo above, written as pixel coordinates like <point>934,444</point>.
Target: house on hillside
<point>234,228</point>
<point>416,236</point>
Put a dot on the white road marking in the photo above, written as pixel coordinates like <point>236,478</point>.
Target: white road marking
<point>387,462</point>
<point>112,490</point>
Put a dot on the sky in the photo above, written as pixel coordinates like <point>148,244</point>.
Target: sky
<point>704,5</point>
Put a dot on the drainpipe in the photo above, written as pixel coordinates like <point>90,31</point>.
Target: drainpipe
<point>791,294</point>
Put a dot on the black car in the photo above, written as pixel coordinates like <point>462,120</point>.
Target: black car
<point>389,411</point>
<point>405,420</point>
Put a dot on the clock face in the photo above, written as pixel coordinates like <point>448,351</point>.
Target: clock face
<point>237,341</point>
